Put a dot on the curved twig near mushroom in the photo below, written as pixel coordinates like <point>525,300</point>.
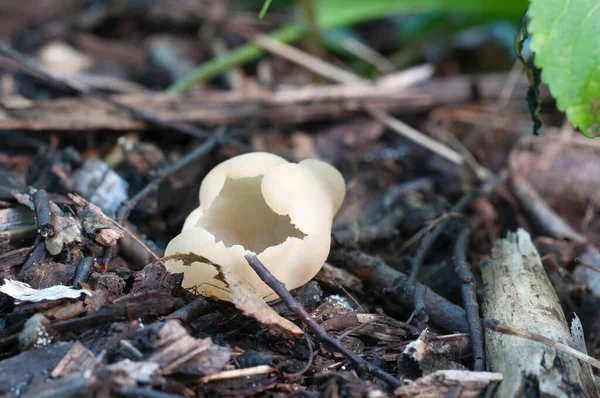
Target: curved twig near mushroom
<point>260,203</point>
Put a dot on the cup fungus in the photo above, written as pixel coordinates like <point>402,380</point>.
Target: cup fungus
<point>260,203</point>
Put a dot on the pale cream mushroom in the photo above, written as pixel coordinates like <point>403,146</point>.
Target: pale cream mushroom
<point>260,203</point>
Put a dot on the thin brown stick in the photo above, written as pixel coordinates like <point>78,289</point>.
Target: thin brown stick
<point>235,373</point>
<point>309,362</point>
<point>429,240</point>
<point>312,324</point>
<point>207,145</point>
<point>340,75</point>
<point>581,261</point>
<point>469,299</point>
<point>130,204</point>
<point>392,284</point>
<point>505,329</point>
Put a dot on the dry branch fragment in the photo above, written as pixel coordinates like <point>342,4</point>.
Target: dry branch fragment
<point>101,229</point>
<point>546,219</point>
<point>518,293</point>
<point>76,360</point>
<point>386,281</point>
<point>283,107</point>
<point>564,172</point>
<point>443,382</point>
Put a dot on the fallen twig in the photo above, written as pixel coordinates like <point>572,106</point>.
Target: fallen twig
<point>191,310</point>
<point>581,261</point>
<point>245,372</point>
<point>84,269</point>
<point>469,299</point>
<point>312,324</point>
<point>458,207</point>
<point>285,106</point>
<point>546,219</point>
<point>505,329</point>
<point>43,217</point>
<point>207,145</point>
<point>394,285</point>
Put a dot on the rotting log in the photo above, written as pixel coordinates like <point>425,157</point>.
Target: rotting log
<point>517,292</point>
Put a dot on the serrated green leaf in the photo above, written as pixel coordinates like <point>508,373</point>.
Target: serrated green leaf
<point>566,42</point>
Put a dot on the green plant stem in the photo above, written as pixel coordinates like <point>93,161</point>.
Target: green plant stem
<point>235,57</point>
<point>264,9</point>
<point>335,13</point>
<point>313,38</point>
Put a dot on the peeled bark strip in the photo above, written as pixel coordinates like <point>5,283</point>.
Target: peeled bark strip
<point>518,292</point>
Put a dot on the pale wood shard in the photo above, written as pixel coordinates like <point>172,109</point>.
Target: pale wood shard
<point>77,360</point>
<point>517,292</point>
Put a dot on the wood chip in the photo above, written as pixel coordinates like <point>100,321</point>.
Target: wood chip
<point>76,360</point>
<point>441,383</point>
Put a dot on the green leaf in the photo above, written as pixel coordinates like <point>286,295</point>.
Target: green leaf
<point>334,13</point>
<point>566,42</point>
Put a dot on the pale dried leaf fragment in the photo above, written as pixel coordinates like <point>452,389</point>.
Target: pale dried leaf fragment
<point>444,382</point>
<point>429,357</point>
<point>142,372</point>
<point>22,292</point>
<point>244,296</point>
<point>67,230</point>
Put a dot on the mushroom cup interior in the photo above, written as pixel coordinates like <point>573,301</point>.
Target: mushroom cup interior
<point>239,215</point>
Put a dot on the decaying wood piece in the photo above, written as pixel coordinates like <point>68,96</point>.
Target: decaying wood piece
<point>517,292</point>
<point>448,383</point>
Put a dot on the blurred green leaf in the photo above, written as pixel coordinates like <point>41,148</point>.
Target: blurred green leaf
<point>566,43</point>
<point>337,13</point>
<point>333,13</point>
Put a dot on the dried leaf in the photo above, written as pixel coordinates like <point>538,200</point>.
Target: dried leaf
<point>244,297</point>
<point>22,292</point>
